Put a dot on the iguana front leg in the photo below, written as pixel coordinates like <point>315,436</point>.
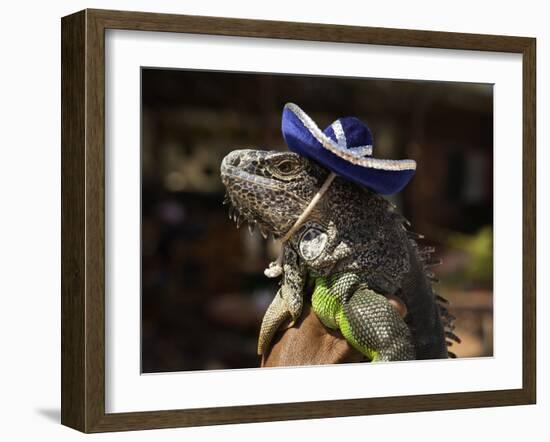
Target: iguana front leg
<point>374,327</point>
<point>288,302</point>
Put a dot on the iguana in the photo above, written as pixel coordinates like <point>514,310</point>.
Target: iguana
<point>353,250</point>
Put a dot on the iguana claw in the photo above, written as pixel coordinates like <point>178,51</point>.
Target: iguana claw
<point>276,314</point>
<point>285,307</point>
<point>288,302</point>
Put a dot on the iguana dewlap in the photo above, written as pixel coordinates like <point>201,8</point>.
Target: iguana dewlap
<point>353,248</point>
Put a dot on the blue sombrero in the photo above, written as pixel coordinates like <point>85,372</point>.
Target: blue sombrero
<point>345,148</point>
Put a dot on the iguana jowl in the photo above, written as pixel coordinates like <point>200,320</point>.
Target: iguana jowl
<point>353,249</point>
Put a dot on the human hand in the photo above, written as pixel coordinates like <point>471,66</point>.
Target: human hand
<point>309,342</point>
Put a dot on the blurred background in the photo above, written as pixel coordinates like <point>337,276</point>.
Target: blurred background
<point>203,288</point>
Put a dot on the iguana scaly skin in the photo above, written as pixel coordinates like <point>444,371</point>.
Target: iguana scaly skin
<point>354,250</point>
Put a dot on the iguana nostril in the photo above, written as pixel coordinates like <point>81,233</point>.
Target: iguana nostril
<point>229,161</point>
<point>232,159</point>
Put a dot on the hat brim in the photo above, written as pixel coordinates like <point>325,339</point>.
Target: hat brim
<point>305,138</point>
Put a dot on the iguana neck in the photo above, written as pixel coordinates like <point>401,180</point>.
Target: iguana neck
<point>356,231</point>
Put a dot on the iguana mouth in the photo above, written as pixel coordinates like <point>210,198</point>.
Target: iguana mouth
<point>243,214</point>
<point>239,217</point>
<point>231,171</point>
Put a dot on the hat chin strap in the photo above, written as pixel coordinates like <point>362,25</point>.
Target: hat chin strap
<point>276,268</point>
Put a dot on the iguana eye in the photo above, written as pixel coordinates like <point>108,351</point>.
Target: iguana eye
<point>286,166</point>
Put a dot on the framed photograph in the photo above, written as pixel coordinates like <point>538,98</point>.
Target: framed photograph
<point>387,178</point>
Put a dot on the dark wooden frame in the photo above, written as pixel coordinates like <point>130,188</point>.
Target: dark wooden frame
<point>83,216</point>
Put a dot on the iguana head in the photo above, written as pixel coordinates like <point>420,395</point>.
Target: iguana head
<point>268,188</point>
